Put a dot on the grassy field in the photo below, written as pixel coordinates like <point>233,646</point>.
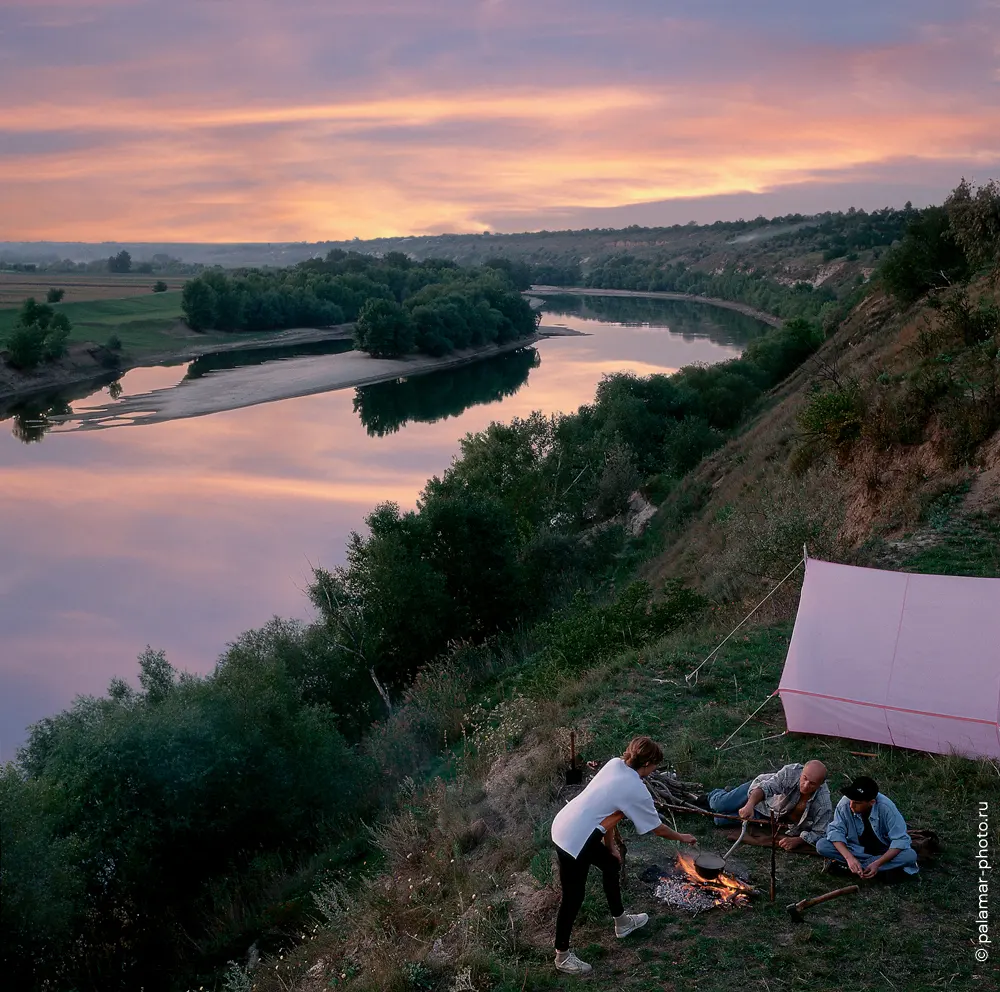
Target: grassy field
<point>492,909</point>
<point>146,325</point>
<point>143,323</point>
<point>16,287</point>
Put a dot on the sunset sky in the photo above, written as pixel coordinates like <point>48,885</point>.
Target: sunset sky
<point>259,120</point>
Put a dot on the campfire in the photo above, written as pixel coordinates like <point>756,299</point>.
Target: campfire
<point>681,887</point>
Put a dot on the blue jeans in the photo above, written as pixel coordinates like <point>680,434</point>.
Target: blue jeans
<point>721,801</point>
<point>901,860</point>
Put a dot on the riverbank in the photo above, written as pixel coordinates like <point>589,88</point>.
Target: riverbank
<point>761,315</point>
<point>83,363</point>
<point>234,389</point>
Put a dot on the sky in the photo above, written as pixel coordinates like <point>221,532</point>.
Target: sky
<point>260,120</point>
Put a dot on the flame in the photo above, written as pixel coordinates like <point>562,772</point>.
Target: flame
<point>725,887</point>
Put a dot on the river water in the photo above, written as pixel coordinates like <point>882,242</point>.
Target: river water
<point>182,534</point>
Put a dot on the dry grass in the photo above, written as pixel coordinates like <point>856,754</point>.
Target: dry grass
<point>767,493</point>
<point>16,287</point>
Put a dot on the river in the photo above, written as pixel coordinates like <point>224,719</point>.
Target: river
<point>182,534</point>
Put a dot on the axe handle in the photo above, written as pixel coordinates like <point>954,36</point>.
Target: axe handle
<point>816,900</point>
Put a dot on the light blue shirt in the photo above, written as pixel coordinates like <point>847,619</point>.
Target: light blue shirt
<point>886,821</point>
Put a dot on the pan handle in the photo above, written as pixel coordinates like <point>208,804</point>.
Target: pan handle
<point>739,840</point>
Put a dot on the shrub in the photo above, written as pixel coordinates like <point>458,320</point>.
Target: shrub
<point>927,258</point>
<point>584,633</point>
<point>834,418</point>
<point>39,334</point>
<point>54,295</point>
<point>160,286</point>
<point>114,343</point>
<point>687,441</point>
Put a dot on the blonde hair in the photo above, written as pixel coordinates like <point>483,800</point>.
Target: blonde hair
<point>642,751</point>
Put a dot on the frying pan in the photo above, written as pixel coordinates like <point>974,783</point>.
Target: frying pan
<point>710,865</point>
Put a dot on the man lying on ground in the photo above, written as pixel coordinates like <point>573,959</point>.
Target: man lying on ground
<point>583,832</point>
<point>797,794</point>
<point>868,834</point>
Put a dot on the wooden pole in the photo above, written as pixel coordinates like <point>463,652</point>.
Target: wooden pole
<point>706,812</point>
<point>774,845</point>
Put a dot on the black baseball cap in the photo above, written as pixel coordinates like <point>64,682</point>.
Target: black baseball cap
<point>861,789</point>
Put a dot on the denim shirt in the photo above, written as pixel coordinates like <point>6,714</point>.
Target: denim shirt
<point>886,821</point>
<point>781,794</point>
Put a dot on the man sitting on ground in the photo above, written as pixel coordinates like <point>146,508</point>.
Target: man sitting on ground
<point>868,834</point>
<point>797,795</point>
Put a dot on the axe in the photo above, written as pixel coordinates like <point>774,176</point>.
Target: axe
<point>795,909</point>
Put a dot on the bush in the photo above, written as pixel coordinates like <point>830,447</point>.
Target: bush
<point>39,335</point>
<point>781,351</point>
<point>114,343</point>
<point>927,258</point>
<point>584,633</point>
<point>686,442</point>
<point>160,286</point>
<point>834,418</point>
<point>54,295</point>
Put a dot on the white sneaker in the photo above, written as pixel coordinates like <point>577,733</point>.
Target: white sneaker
<point>630,922</point>
<point>572,965</point>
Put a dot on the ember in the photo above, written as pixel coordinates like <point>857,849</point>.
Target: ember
<point>682,887</point>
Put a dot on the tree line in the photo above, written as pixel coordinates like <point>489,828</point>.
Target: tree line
<point>398,305</point>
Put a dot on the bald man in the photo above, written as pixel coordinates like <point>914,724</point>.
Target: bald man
<point>797,794</point>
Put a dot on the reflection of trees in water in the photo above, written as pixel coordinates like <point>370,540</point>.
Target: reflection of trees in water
<point>242,357</point>
<point>32,418</point>
<point>387,406</point>
<point>698,319</point>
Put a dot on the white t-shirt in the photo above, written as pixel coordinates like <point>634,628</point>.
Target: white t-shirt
<point>615,787</point>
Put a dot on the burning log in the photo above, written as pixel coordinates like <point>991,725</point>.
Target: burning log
<point>681,887</point>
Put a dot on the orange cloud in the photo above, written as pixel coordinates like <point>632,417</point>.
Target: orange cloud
<point>417,156</point>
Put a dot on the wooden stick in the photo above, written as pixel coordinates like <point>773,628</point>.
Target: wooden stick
<point>863,754</point>
<point>774,836</point>
<point>705,812</point>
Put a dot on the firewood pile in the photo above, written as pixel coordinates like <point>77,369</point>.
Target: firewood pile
<point>669,790</point>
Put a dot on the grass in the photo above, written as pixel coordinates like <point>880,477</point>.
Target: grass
<point>142,323</point>
<point>913,936</point>
<point>145,325</point>
<point>15,287</point>
<point>918,934</point>
<point>969,546</point>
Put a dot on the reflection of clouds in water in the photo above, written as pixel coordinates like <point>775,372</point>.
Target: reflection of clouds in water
<point>135,382</point>
<point>183,534</point>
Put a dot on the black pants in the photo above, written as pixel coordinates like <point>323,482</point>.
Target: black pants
<point>573,877</point>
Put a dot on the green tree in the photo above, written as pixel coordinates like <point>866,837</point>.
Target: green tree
<point>39,334</point>
<point>974,216</point>
<point>928,257</point>
<point>198,304</point>
<point>122,262</point>
<point>54,295</point>
<point>160,286</point>
<point>384,329</point>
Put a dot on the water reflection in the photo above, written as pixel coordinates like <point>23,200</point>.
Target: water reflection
<point>387,406</point>
<point>689,320</point>
<point>244,357</point>
<point>32,417</point>
<point>184,533</point>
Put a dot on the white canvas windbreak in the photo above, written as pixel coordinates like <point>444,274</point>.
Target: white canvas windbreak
<point>909,660</point>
